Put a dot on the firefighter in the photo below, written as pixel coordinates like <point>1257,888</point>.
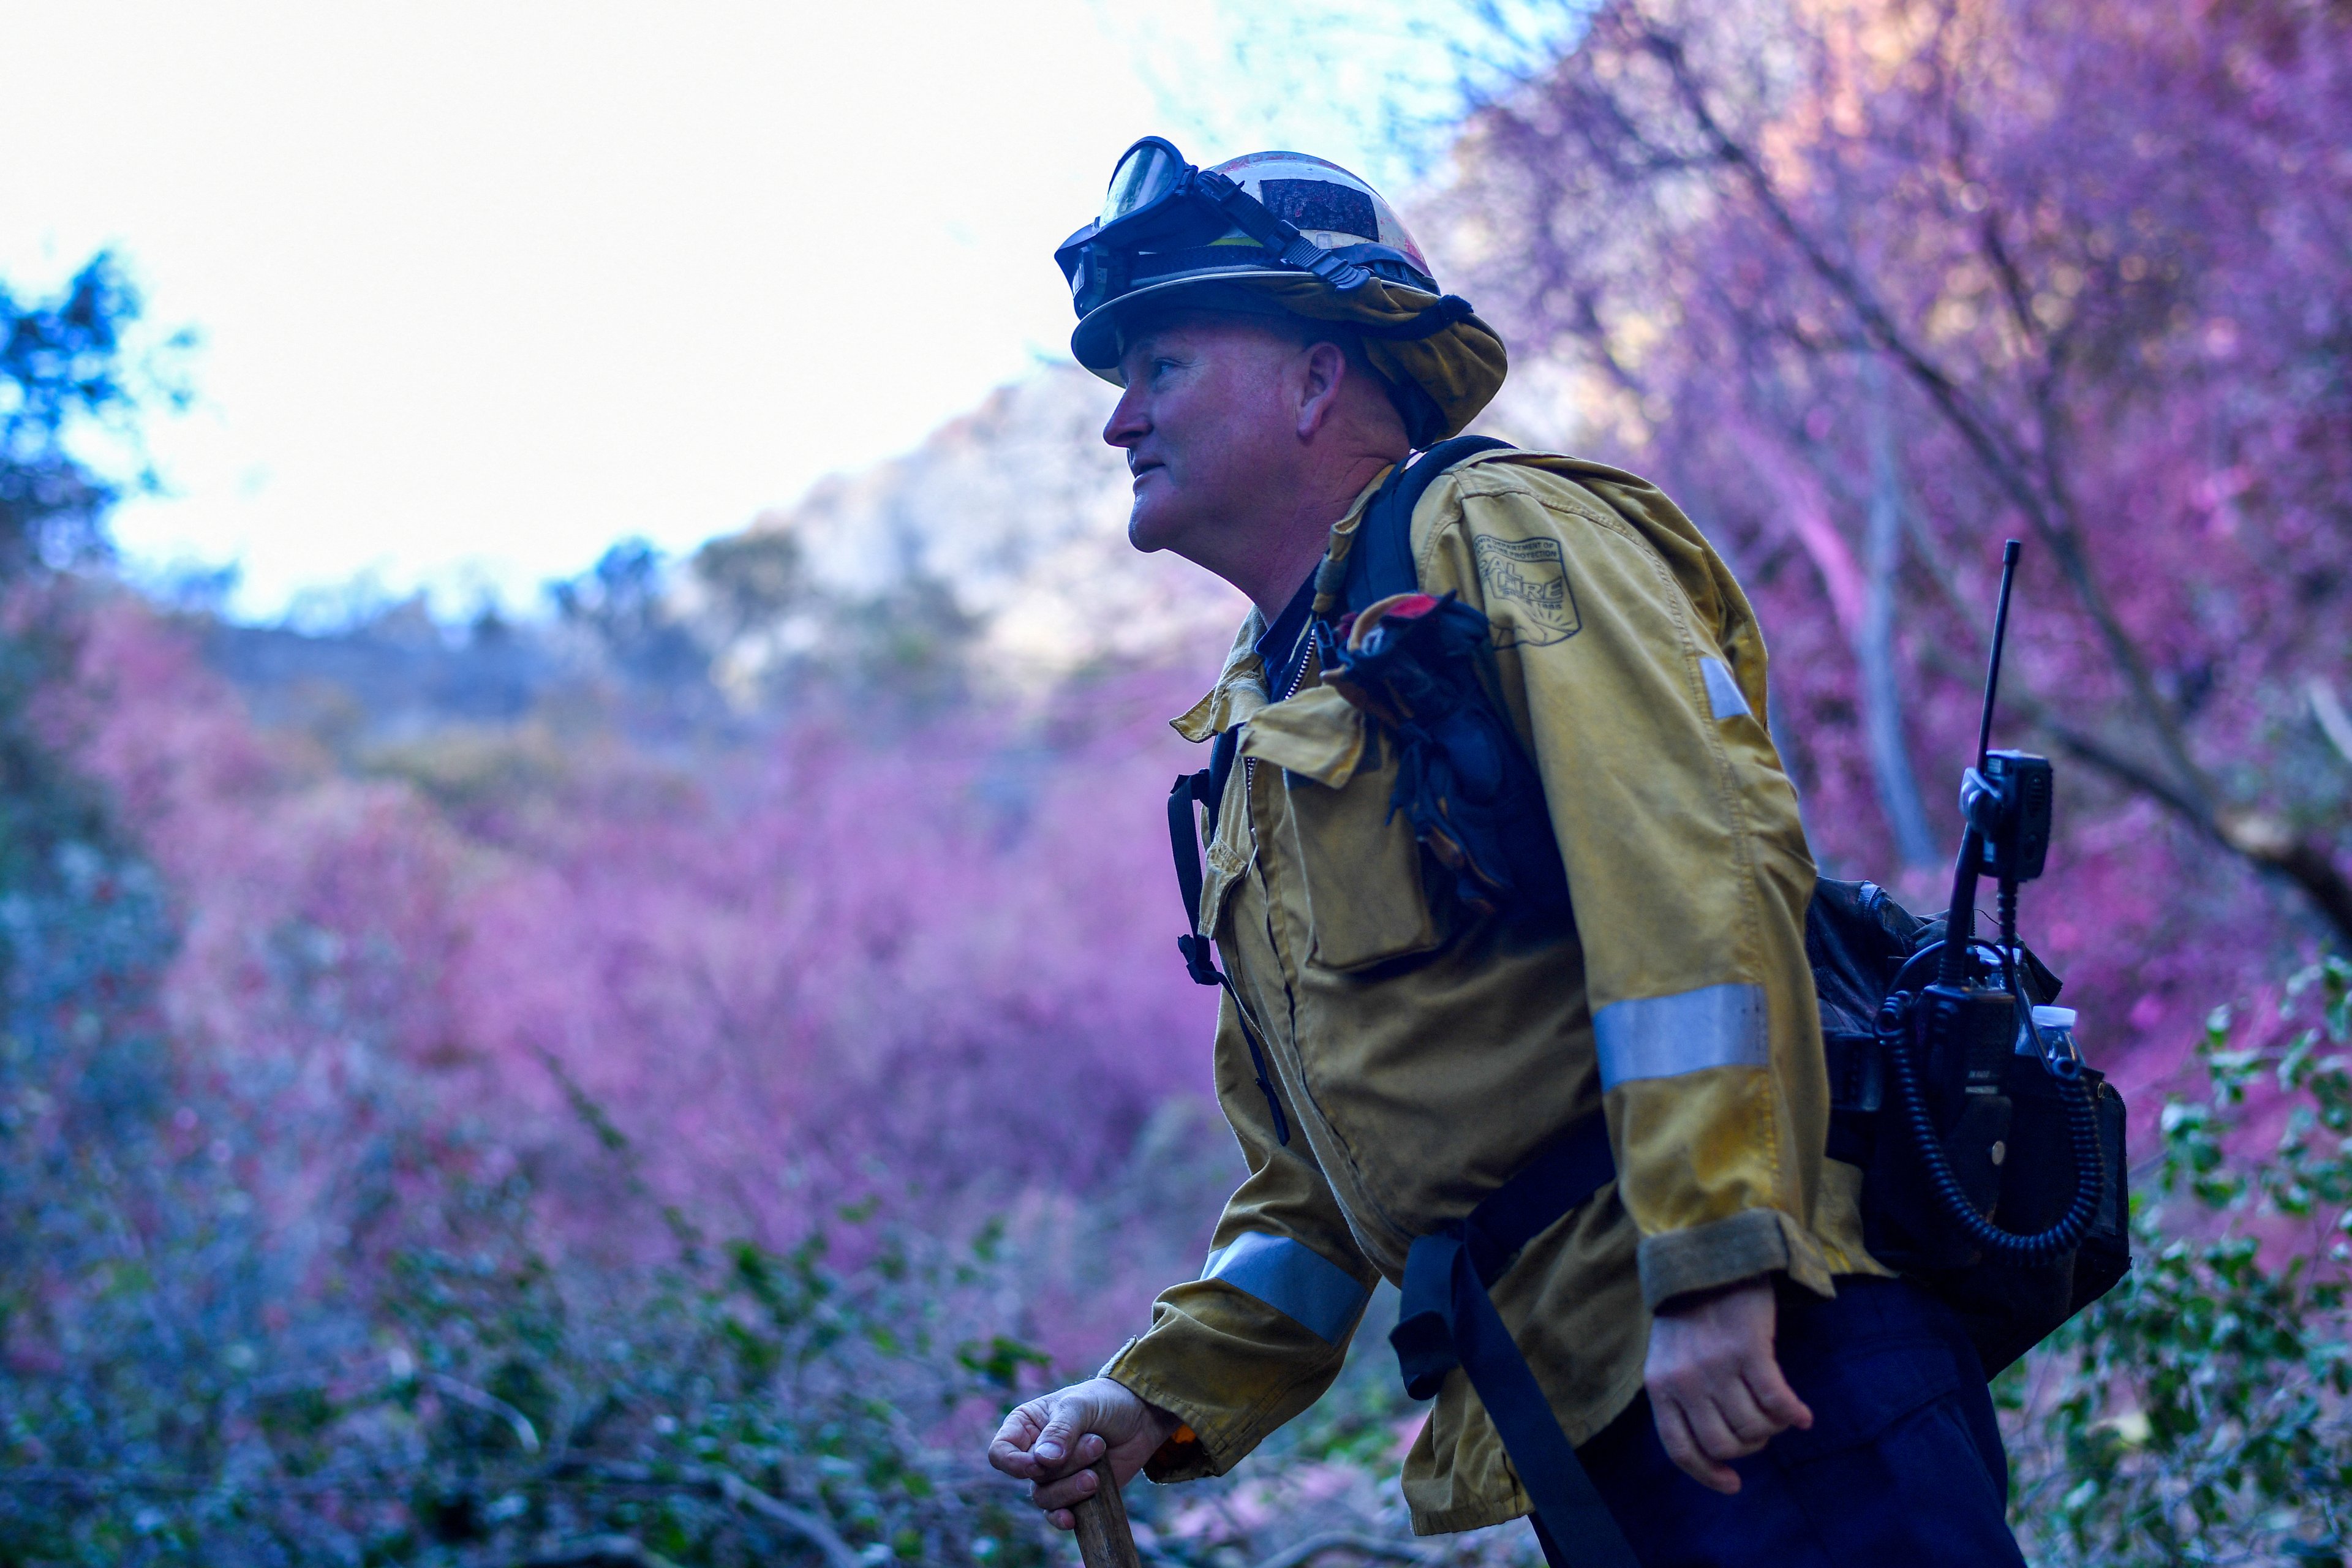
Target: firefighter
<point>1584,1134</point>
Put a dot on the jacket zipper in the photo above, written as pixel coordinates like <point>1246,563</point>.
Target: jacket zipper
<point>1249,765</point>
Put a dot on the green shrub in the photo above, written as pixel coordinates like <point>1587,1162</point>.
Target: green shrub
<point>734,1406</point>
<point>2197,1415</point>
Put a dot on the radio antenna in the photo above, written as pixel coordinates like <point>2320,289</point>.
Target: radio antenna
<point>1960,922</point>
<point>2009,553</point>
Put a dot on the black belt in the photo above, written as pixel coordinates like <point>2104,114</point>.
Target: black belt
<point>1449,1320</point>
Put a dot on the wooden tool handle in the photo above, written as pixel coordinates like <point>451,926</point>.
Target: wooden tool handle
<point>1104,1539</point>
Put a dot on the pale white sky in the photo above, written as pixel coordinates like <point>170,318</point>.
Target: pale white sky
<point>484,285</point>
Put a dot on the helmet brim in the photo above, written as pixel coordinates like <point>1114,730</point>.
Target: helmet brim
<point>1094,343</point>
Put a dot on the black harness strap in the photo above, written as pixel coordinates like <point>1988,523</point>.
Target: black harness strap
<point>1447,1319</point>
<point>1381,561</point>
<point>1206,789</point>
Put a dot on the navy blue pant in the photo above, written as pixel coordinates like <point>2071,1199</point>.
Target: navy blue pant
<point>1903,1465</point>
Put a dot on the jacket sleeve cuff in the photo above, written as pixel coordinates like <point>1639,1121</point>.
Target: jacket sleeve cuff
<point>1726,1251</point>
<point>1181,1458</point>
<point>1184,1457</point>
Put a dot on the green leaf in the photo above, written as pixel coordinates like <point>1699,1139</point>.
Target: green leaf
<point>1000,1359</point>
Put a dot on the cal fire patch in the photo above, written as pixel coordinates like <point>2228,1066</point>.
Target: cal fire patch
<point>1532,577</point>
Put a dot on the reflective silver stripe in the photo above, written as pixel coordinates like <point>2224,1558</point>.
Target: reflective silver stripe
<point>1664,1036</point>
<point>1294,1279</point>
<point>1722,691</point>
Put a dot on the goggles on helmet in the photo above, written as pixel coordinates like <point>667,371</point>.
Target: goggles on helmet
<point>1164,218</point>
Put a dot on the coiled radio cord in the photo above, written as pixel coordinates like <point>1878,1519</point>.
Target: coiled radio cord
<point>1893,1029</point>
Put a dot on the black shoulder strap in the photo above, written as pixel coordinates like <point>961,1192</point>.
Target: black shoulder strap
<point>1380,561</point>
<point>1206,789</point>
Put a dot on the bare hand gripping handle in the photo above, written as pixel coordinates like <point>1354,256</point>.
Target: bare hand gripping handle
<point>1103,1539</point>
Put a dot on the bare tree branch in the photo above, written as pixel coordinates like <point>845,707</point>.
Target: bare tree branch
<point>713,1480</point>
<point>2265,841</point>
<point>2007,463</point>
<point>490,1404</point>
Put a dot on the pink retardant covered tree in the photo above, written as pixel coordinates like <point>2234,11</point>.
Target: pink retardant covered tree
<point>1872,284</point>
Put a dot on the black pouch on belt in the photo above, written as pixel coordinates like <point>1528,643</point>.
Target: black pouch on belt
<point>2011,1148</point>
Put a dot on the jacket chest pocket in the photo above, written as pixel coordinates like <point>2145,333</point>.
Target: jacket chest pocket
<point>1358,864</point>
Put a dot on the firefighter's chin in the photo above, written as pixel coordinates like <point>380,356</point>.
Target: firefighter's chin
<point>1158,521</point>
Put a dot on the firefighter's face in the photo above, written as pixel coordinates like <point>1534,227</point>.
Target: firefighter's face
<point>1208,421</point>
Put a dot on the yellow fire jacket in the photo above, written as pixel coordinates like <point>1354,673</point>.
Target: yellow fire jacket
<point>1423,1055</point>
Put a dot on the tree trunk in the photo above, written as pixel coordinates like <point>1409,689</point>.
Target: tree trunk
<point>1874,643</point>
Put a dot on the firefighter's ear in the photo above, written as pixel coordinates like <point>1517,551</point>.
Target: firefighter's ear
<point>1322,374</point>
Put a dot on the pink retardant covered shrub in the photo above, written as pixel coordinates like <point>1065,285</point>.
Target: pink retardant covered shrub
<point>923,961</point>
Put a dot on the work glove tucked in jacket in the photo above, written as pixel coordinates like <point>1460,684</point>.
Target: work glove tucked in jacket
<point>1423,1053</point>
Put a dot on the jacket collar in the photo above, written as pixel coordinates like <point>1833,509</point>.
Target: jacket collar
<point>1239,691</point>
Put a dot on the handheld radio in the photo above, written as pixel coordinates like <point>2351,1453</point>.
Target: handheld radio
<point>1985,1172</point>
